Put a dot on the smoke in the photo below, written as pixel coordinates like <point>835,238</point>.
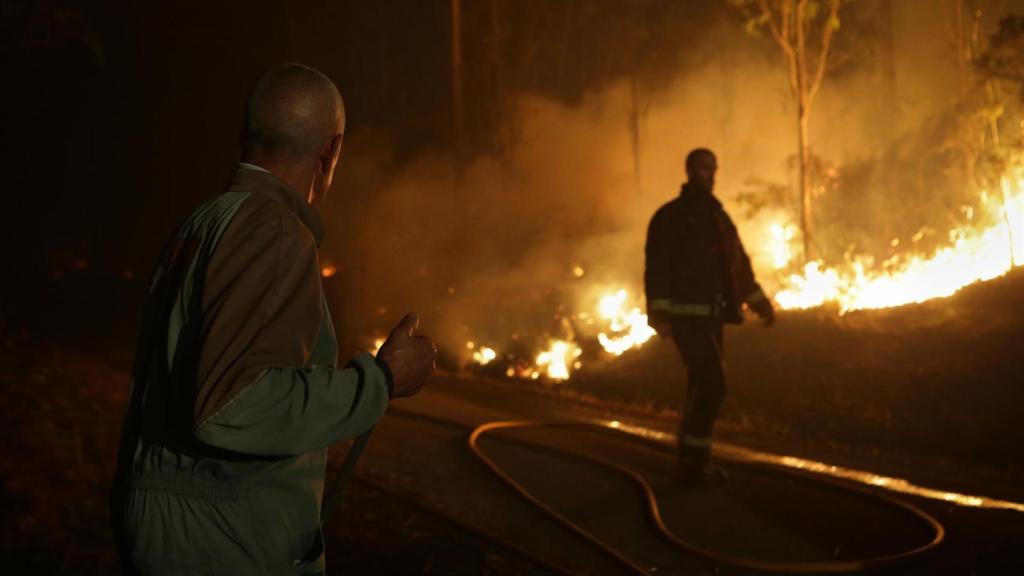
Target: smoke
<point>494,249</point>
<point>486,252</point>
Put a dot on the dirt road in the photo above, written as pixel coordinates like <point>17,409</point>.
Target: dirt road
<point>420,450</point>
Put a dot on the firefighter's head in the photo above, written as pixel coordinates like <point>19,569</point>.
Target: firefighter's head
<point>701,166</point>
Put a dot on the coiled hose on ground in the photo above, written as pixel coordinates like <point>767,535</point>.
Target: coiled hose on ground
<point>655,513</point>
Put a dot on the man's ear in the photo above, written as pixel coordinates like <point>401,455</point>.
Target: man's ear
<point>331,152</point>
<point>325,171</point>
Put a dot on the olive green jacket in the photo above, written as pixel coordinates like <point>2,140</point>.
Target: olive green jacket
<point>236,394</point>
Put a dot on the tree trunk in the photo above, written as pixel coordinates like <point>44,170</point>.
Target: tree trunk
<point>634,132</point>
<point>803,99</point>
<point>500,107</point>
<point>458,115</point>
<point>805,180</point>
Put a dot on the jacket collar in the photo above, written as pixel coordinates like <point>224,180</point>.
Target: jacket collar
<point>250,178</point>
<point>691,193</point>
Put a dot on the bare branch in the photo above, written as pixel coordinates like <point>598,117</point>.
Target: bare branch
<point>801,53</point>
<point>826,41</point>
<point>781,34</point>
<point>766,13</point>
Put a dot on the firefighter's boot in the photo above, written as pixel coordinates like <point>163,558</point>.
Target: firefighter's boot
<point>695,465</point>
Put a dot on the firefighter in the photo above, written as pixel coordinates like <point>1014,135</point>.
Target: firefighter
<point>697,278</point>
<point>236,391</point>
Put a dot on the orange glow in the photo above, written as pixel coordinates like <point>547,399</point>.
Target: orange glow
<point>988,246</point>
<point>484,355</point>
<point>739,453</point>
<point>377,343</point>
<point>555,361</point>
<point>328,271</point>
<point>627,327</point>
<point>781,244</point>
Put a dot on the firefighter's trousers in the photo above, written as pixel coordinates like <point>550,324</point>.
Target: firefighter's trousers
<point>701,346</point>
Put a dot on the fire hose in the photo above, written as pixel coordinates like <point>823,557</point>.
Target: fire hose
<point>655,513</point>
<point>938,532</point>
<point>340,481</point>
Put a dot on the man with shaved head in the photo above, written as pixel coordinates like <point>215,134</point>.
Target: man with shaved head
<point>236,392</point>
<point>697,277</point>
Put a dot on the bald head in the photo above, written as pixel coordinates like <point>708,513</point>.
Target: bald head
<point>293,111</point>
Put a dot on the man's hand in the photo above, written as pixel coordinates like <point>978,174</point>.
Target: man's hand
<point>765,310</point>
<point>409,356</point>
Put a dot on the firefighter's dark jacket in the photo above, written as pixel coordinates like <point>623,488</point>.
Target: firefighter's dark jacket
<point>696,266</point>
<point>236,395</point>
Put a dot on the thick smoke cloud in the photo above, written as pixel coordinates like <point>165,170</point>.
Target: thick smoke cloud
<point>486,252</point>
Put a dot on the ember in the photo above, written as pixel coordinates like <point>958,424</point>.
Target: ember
<point>484,355</point>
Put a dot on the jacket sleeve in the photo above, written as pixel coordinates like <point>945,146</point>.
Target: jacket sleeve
<point>262,312</point>
<point>658,268</point>
<point>750,291</point>
<point>291,410</point>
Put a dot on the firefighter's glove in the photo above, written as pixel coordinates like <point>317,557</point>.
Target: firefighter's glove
<point>763,308</point>
<point>409,356</point>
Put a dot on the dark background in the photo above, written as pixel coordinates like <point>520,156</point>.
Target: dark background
<point>119,117</point>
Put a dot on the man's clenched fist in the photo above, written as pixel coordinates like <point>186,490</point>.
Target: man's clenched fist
<point>409,356</point>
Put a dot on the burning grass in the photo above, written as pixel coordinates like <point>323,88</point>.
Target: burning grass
<point>940,378</point>
<point>988,245</point>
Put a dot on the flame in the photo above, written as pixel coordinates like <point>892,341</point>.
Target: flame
<point>484,355</point>
<point>780,246</point>
<point>555,361</point>
<point>629,328</point>
<point>987,246</point>
<point>328,271</point>
<point>377,343</point>
<point>975,253</point>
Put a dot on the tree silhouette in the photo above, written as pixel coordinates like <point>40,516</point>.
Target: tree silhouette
<point>803,30</point>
